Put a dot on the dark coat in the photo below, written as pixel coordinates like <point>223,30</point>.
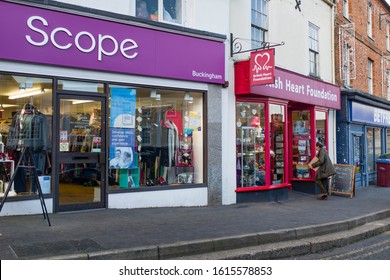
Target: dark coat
<point>325,165</point>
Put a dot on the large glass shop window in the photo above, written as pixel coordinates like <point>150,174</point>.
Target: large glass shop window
<point>277,140</point>
<point>374,148</point>
<point>301,147</point>
<point>156,137</point>
<point>250,144</point>
<point>321,127</point>
<point>25,122</point>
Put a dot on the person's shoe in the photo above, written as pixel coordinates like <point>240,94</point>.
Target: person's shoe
<point>322,196</point>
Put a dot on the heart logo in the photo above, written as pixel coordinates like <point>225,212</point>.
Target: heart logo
<point>243,113</point>
<point>261,62</point>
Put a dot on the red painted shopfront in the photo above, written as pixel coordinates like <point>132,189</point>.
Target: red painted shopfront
<point>277,126</point>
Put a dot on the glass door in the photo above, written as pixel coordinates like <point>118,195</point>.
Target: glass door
<point>81,152</point>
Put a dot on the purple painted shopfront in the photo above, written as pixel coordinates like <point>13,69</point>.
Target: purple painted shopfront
<point>63,39</point>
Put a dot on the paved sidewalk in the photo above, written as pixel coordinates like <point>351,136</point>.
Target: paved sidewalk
<point>143,233</point>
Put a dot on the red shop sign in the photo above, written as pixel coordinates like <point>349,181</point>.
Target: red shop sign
<point>262,67</point>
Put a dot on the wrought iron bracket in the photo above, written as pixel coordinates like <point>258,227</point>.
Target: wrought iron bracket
<point>236,46</point>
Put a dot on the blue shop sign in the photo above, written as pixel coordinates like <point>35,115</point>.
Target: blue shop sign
<point>369,114</point>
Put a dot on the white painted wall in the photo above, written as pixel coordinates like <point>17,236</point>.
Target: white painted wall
<point>287,24</point>
<point>26,207</point>
<point>168,198</point>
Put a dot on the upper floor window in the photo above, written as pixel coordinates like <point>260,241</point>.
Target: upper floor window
<point>345,8</point>
<point>370,76</point>
<point>313,49</point>
<point>160,10</point>
<point>369,20</point>
<point>259,22</point>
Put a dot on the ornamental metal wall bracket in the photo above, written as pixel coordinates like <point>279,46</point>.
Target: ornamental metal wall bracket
<point>236,46</point>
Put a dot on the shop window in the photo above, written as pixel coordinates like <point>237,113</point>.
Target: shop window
<point>374,147</point>
<point>346,8</point>
<point>301,146</point>
<point>160,10</point>
<point>277,143</point>
<point>321,127</point>
<point>25,122</point>
<point>388,141</point>
<point>250,144</point>
<point>162,130</point>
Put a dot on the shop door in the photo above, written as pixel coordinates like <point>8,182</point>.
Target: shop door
<point>80,152</point>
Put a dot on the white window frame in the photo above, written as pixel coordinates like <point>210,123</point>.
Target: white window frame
<point>370,67</point>
<point>314,50</point>
<point>259,22</point>
<point>160,17</point>
<point>369,20</point>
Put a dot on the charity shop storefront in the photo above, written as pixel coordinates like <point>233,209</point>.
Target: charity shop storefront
<point>277,126</point>
<point>114,112</point>
<point>363,134</point>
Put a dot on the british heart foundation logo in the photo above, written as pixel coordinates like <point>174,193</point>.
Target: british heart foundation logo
<point>262,67</point>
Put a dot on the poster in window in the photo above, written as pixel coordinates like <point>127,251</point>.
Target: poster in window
<point>122,112</point>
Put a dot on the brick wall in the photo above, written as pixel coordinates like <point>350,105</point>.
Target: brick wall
<point>366,48</point>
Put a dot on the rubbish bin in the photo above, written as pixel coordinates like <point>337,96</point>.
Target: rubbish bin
<point>383,169</point>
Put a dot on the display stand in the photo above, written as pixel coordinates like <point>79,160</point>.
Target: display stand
<point>26,161</point>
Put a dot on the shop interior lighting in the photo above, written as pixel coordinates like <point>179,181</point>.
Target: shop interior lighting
<point>188,97</point>
<point>1,108</point>
<point>74,102</point>
<point>26,93</point>
<point>158,97</point>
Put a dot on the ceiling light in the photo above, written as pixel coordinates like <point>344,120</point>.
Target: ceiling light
<point>26,93</point>
<point>74,102</point>
<point>153,93</point>
<point>1,108</point>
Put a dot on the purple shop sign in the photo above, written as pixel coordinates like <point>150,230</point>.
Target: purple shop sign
<point>299,88</point>
<point>42,36</point>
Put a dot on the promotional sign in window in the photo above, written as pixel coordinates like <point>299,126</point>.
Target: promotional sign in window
<point>262,67</point>
<point>122,126</point>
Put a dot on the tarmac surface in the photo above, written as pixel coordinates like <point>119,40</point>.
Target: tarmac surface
<point>299,225</point>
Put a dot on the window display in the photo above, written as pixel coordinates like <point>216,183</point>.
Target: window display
<point>250,144</point>
<point>25,121</point>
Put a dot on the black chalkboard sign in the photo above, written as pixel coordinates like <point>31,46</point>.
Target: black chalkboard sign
<point>344,180</point>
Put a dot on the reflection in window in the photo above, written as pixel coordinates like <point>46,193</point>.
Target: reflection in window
<point>160,10</point>
<point>321,127</point>
<point>25,121</point>
<point>250,144</point>
<point>162,130</point>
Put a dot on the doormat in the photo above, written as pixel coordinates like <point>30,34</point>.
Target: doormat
<point>56,248</point>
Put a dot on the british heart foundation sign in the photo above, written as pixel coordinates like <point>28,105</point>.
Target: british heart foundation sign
<point>262,67</point>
